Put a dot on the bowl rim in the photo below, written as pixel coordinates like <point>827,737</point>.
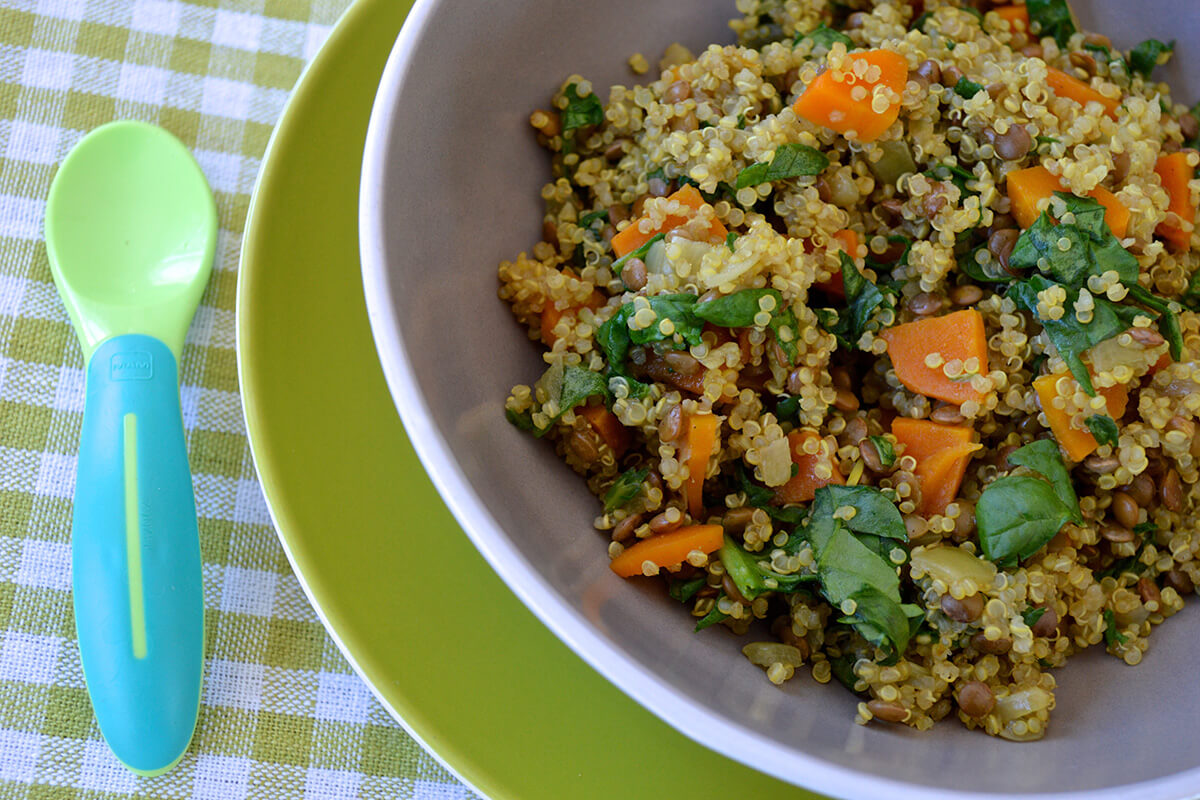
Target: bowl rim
<point>648,689</point>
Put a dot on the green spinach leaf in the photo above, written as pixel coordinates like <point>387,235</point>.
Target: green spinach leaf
<point>581,111</point>
<point>641,252</point>
<point>1016,516</point>
<point>587,219</point>
<point>967,89</point>
<point>712,617</point>
<point>1052,18</point>
<point>789,161</point>
<point>862,298</point>
<point>730,238</point>
<point>1112,636</point>
<point>1042,457</point>
<point>736,310</point>
<point>824,36</point>
<point>685,590</point>
<point>753,575</point>
<point>1032,615</point>
<point>1146,56</point>
<point>679,309</point>
<point>626,487</point>
<point>1104,429</point>
<point>887,453</point>
<point>881,621</point>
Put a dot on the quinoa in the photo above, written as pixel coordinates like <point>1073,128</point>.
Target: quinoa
<point>831,363</point>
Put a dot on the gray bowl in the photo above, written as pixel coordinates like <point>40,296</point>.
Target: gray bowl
<point>450,187</point>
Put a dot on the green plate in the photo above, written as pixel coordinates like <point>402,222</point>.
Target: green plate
<point>442,642</point>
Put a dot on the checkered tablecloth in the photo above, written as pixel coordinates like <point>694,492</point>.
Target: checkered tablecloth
<point>282,714</point>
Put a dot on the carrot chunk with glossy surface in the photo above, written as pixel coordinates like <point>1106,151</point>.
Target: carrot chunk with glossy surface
<point>609,428</point>
<point>1028,187</point>
<point>1175,172</point>
<point>1064,85</point>
<point>802,487</point>
<point>633,237</point>
<point>958,336</point>
<point>1014,15</point>
<point>942,453</point>
<point>1077,443</point>
<point>668,549</point>
<point>844,100</point>
<point>700,443</point>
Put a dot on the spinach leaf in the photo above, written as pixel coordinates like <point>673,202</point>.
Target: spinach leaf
<point>712,617</point>
<point>1168,321</point>
<point>614,340</point>
<point>843,670</point>
<point>1016,516</point>
<point>1112,636</point>
<point>756,495</point>
<point>992,273</point>
<point>874,513</point>
<point>569,386</point>
<point>587,219</point>
<point>753,575</point>
<point>730,238</point>
<point>1104,429</point>
<point>823,36</point>
<point>581,111</point>
<point>679,309</point>
<point>1068,335</point>
<point>967,89</point>
<point>845,566</point>
<point>1053,18</point>
<point>881,621</point>
<point>919,23</point>
<point>862,298</point>
<point>626,487</point>
<point>789,161</point>
<point>1043,458</point>
<point>1092,250</point>
<point>523,420</point>
<point>786,320</point>
<point>787,406</point>
<point>1113,59</point>
<point>641,252</point>
<point>735,310</point>
<point>1032,615</point>
<point>685,590</point>
<point>1191,295</point>
<point>887,453</point>
<point>1145,57</point>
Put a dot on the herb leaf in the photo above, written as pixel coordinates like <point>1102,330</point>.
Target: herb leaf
<point>730,238</point>
<point>790,160</point>
<point>581,111</point>
<point>685,590</point>
<point>1104,429</point>
<point>1112,636</point>
<point>678,308</point>
<point>881,621</point>
<point>1043,458</point>
<point>887,453</point>
<point>1053,17</point>
<point>735,310</point>
<point>626,487</point>
<point>1068,335</point>
<point>712,617</point>
<point>641,252</point>
<point>1145,57</point>
<point>967,89</point>
<point>753,575</point>
<point>1016,516</point>
<point>862,298</point>
<point>587,219</point>
<point>824,36</point>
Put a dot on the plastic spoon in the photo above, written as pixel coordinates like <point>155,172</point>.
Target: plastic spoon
<point>130,232</point>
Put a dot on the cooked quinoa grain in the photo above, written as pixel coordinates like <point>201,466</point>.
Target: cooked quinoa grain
<point>876,337</point>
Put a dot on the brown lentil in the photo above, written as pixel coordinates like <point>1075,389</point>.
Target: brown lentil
<point>997,647</point>
<point>1011,145</point>
<point>1189,126</point>
<point>887,712</point>
<point>583,446</point>
<point>976,699</point>
<point>969,609</point>
<point>1083,61</point>
<point>964,523</point>
<point>947,414</point>
<point>730,587</point>
<point>1101,465</point>
<point>1141,489</point>
<point>662,523</point>
<point>1178,580</point>
<point>671,425</point>
<point>966,295</point>
<point>736,519</point>
<point>623,531</point>
<point>1172,491</point>
<point>1001,244</point>
<point>1125,509</point>
<point>870,455</point>
<point>1047,624</point>
<point>633,274</point>
<point>1148,591</point>
<point>1116,533</point>
<point>928,72</point>
<point>951,75</point>
<point>845,400</point>
<point>1121,165</point>
<point>924,304</point>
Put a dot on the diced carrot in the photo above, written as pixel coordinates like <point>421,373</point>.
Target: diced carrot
<point>1065,85</point>
<point>802,486</point>
<point>605,423</point>
<point>1175,172</point>
<point>657,368</point>
<point>1077,443</point>
<point>699,445</point>
<point>1014,15</point>
<point>1027,187</point>
<point>848,240</point>
<point>959,335</point>
<point>668,549</point>
<point>833,101</point>
<point>551,314</point>
<point>942,453</point>
<point>633,237</point>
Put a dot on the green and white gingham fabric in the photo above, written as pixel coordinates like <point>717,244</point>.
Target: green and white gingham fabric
<point>282,714</point>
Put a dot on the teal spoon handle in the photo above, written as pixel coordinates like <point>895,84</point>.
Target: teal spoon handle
<point>135,556</point>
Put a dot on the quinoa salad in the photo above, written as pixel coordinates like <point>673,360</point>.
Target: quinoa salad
<point>875,335</point>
